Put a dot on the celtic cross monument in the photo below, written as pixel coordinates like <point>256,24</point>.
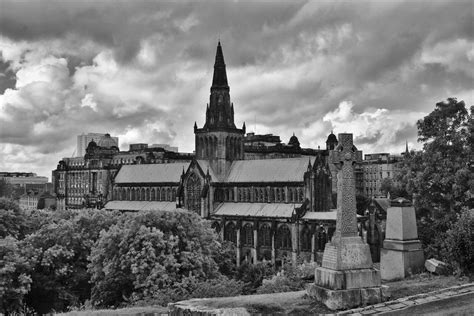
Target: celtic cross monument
<point>346,277</point>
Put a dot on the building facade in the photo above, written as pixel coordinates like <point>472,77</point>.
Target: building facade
<point>273,200</point>
<point>83,141</point>
<point>376,168</point>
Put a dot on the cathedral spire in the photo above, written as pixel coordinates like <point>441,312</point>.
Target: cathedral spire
<point>219,79</point>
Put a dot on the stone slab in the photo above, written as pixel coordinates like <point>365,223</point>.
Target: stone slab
<point>370,296</point>
<point>330,279</point>
<point>435,266</point>
<point>335,299</point>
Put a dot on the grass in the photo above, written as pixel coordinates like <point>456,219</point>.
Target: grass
<point>422,283</point>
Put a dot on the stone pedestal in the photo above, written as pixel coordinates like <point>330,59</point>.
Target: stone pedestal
<point>346,278</point>
<point>401,253</point>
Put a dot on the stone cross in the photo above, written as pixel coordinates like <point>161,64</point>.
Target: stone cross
<point>344,156</point>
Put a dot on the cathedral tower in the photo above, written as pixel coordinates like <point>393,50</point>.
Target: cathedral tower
<point>219,141</point>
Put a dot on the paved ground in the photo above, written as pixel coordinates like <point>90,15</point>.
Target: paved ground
<point>456,300</point>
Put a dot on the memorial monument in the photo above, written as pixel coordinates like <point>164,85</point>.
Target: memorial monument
<point>401,253</point>
<point>346,277</point>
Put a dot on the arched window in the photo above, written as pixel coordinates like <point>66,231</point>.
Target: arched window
<point>283,198</point>
<point>193,193</point>
<point>239,195</point>
<point>152,194</point>
<point>278,195</point>
<point>147,194</point>
<point>284,238</point>
<point>265,195</point>
<point>265,236</point>
<point>133,195</point>
<point>247,235</point>
<point>163,194</point>
<point>230,233</point>
<point>143,198</point>
<point>305,238</point>
<point>173,194</point>
<point>291,195</point>
<point>168,194</point>
<point>231,194</point>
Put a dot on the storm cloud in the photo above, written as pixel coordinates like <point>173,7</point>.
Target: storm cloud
<point>141,70</point>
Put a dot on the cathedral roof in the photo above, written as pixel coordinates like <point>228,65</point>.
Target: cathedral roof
<point>269,170</point>
<point>294,141</point>
<point>151,173</point>
<point>141,206</point>
<point>275,210</point>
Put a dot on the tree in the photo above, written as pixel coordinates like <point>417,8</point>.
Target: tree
<point>16,265</point>
<point>440,177</point>
<point>147,255</point>
<point>63,242</point>
<point>6,189</point>
<point>12,219</point>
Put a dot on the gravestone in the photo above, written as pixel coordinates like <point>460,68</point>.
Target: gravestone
<point>346,277</point>
<point>401,254</point>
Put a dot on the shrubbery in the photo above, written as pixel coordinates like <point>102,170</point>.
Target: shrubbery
<point>459,244</point>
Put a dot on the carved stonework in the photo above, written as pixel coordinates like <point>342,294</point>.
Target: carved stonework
<point>344,157</point>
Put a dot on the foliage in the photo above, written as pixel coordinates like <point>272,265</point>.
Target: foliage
<point>362,203</point>
<point>290,278</point>
<point>459,243</point>
<point>12,219</point>
<point>253,274</point>
<point>192,287</point>
<point>16,264</point>
<point>149,254</point>
<point>63,241</point>
<point>440,177</point>
<point>225,257</point>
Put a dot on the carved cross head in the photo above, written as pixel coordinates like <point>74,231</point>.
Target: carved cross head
<point>345,153</point>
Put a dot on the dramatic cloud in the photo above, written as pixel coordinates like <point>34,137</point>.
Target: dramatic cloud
<point>141,70</point>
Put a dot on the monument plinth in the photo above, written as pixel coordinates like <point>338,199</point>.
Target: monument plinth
<point>401,253</point>
<point>346,277</point>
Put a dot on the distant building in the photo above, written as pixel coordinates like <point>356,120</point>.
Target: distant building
<point>37,200</point>
<point>376,168</point>
<point>165,147</point>
<point>87,181</point>
<point>84,140</point>
<point>23,182</point>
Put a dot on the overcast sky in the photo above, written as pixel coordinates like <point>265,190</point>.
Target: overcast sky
<point>142,71</point>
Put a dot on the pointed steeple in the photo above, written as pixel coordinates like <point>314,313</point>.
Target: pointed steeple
<point>219,79</point>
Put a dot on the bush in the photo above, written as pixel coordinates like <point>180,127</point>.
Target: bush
<point>459,244</point>
<point>253,274</point>
<point>152,255</point>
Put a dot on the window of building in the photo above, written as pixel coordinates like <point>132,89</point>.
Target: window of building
<point>193,193</point>
<point>247,235</point>
<point>284,238</point>
<point>305,238</point>
<point>265,236</point>
<point>230,233</point>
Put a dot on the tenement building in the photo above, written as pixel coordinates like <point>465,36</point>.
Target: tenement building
<point>376,168</point>
<point>273,200</point>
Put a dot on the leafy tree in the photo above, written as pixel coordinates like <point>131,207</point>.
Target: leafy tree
<point>362,202</point>
<point>253,274</point>
<point>149,254</point>
<point>16,265</point>
<point>440,177</point>
<point>63,241</point>
<point>12,219</point>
